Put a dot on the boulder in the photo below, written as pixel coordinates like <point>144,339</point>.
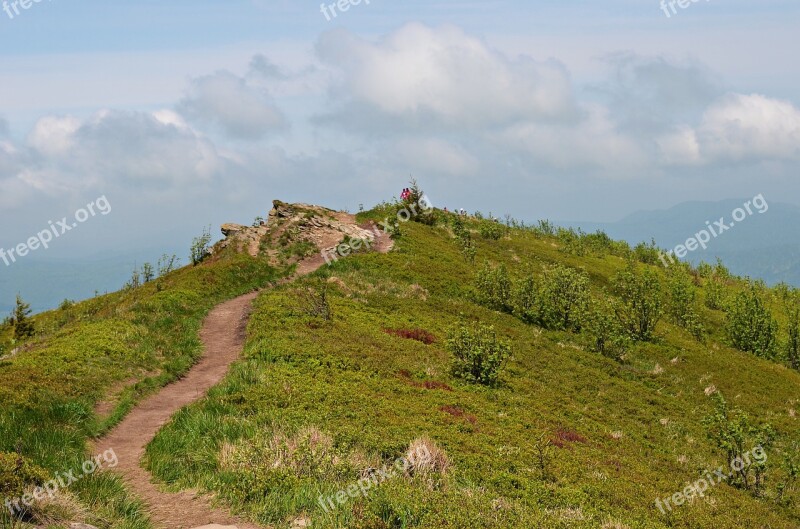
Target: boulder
<point>232,229</point>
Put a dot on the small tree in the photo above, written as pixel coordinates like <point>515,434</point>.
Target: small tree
<point>791,306</point>
<point>166,264</point>
<point>314,301</point>
<point>608,337</point>
<point>715,293</point>
<point>525,299</point>
<point>494,287</point>
<point>135,281</point>
<point>478,356</point>
<point>23,326</point>
<point>200,247</point>
<point>735,435</point>
<point>491,230</point>
<point>417,200</point>
<point>793,341</point>
<point>147,272</point>
<point>464,237</point>
<point>641,305</point>
<point>682,300</point>
<point>750,324</point>
<point>563,298</point>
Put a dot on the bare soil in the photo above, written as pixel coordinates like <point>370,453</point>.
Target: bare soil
<point>223,336</point>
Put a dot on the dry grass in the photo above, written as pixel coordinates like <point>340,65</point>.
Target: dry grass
<point>425,457</point>
<point>301,454</point>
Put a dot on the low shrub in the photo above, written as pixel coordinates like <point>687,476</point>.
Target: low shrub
<point>478,356</point>
<point>563,298</point>
<point>750,324</point>
<point>18,475</point>
<point>491,230</point>
<point>640,308</point>
<point>682,300</point>
<point>606,334</point>
<point>494,287</point>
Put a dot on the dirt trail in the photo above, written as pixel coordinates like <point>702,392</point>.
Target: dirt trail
<point>223,336</point>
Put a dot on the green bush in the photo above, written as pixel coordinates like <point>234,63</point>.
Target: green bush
<point>641,301</point>
<point>607,336</point>
<point>18,475</point>
<point>494,287</point>
<point>200,247</point>
<point>792,346</point>
<point>478,356</point>
<point>491,230</point>
<point>647,253</point>
<point>563,296</point>
<point>23,326</point>
<point>750,324</point>
<point>789,298</point>
<point>415,202</point>
<point>682,298</point>
<point>464,237</point>
<point>715,293</point>
<point>736,436</point>
<point>525,299</point>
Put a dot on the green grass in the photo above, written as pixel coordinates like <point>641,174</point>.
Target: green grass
<point>568,438</point>
<point>628,432</point>
<point>138,340</point>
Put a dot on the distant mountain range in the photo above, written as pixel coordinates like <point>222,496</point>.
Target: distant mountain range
<point>762,245</point>
<point>46,283</point>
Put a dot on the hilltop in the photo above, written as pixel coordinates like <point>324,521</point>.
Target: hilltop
<point>573,405</point>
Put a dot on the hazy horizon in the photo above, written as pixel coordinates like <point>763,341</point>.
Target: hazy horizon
<point>191,114</point>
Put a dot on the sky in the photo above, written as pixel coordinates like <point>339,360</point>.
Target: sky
<point>187,114</point>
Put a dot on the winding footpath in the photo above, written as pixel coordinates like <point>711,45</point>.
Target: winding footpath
<point>223,335</point>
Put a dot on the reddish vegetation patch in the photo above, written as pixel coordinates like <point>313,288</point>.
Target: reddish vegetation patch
<point>433,384</point>
<point>420,335</point>
<point>564,436</point>
<point>428,384</point>
<point>455,411</point>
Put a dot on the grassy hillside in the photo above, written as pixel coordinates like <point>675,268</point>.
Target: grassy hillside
<point>567,438</point>
<point>89,363</point>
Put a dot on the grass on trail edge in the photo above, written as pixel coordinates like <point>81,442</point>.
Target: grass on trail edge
<point>138,340</point>
<point>569,438</point>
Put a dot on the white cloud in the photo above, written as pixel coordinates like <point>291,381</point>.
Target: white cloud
<point>679,147</point>
<point>592,143</point>
<point>737,128</point>
<point>740,127</point>
<point>228,102</point>
<point>54,135</point>
<point>444,76</point>
<point>432,155</point>
<point>146,151</point>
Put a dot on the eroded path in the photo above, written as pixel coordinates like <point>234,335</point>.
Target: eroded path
<point>223,337</point>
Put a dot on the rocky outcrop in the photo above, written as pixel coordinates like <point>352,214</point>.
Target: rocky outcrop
<point>232,229</point>
<point>290,225</point>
